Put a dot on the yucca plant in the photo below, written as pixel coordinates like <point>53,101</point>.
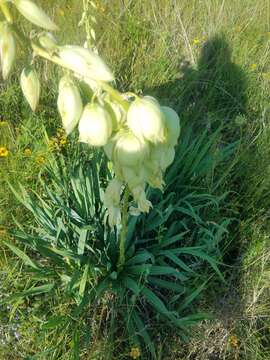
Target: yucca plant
<point>96,236</point>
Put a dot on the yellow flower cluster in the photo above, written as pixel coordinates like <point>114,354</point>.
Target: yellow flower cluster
<point>135,352</point>
<point>59,141</point>
<point>3,151</point>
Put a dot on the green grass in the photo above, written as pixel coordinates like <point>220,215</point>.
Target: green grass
<point>210,61</point>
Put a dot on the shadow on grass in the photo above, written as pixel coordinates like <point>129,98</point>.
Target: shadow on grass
<point>211,94</point>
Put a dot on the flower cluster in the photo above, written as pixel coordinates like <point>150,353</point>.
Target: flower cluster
<point>137,134</point>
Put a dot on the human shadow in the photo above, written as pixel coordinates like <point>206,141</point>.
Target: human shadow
<point>212,93</point>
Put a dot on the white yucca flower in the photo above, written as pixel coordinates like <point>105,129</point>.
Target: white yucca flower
<point>30,85</point>
<point>129,150</point>
<point>95,126</point>
<point>139,196</point>
<point>69,104</point>
<point>84,62</point>
<point>7,49</point>
<point>146,120</point>
<point>112,199</point>
<point>172,122</point>
<point>34,14</point>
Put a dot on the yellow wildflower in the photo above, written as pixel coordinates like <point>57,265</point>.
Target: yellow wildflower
<point>27,152</point>
<point>3,122</point>
<point>3,151</point>
<point>233,341</point>
<point>135,352</point>
<point>63,141</point>
<point>40,160</point>
<point>196,41</point>
<point>253,67</point>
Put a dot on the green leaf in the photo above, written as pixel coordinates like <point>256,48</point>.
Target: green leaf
<point>32,291</point>
<point>191,297</point>
<point>155,301</point>
<point>54,322</point>
<point>176,260</point>
<point>22,256</point>
<point>140,257</point>
<point>83,281</point>
<point>82,241</point>
<point>143,333</point>
<point>131,284</point>
<point>169,285</point>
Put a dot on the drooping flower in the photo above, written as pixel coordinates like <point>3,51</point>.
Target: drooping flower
<point>146,120</point>
<point>69,104</point>
<point>95,125</point>
<point>30,86</point>
<point>7,49</point>
<point>129,150</point>
<point>84,62</point>
<point>139,196</point>
<point>112,198</point>
<point>172,122</point>
<point>34,14</point>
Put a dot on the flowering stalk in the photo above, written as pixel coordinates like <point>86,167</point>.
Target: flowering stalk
<point>123,233</point>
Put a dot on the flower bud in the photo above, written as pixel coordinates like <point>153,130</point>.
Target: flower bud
<point>172,122</point>
<point>84,62</point>
<point>34,14</point>
<point>95,126</point>
<point>30,86</point>
<point>146,120</point>
<point>69,104</point>
<point>129,150</point>
<point>7,49</point>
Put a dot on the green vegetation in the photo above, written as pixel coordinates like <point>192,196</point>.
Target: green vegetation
<point>209,61</point>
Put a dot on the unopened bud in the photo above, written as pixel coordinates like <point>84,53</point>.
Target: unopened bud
<point>34,14</point>
<point>95,126</point>
<point>84,62</point>
<point>30,86</point>
<point>146,120</point>
<point>69,104</point>
<point>7,49</point>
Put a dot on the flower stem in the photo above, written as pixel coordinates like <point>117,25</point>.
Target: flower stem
<point>123,233</point>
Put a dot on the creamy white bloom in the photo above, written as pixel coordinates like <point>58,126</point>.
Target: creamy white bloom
<point>139,196</point>
<point>112,199</point>
<point>129,150</point>
<point>161,156</point>
<point>84,62</point>
<point>95,125</point>
<point>146,120</point>
<point>69,104</point>
<point>7,49</point>
<point>134,176</point>
<point>34,14</point>
<point>172,124</point>
<point>30,85</point>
